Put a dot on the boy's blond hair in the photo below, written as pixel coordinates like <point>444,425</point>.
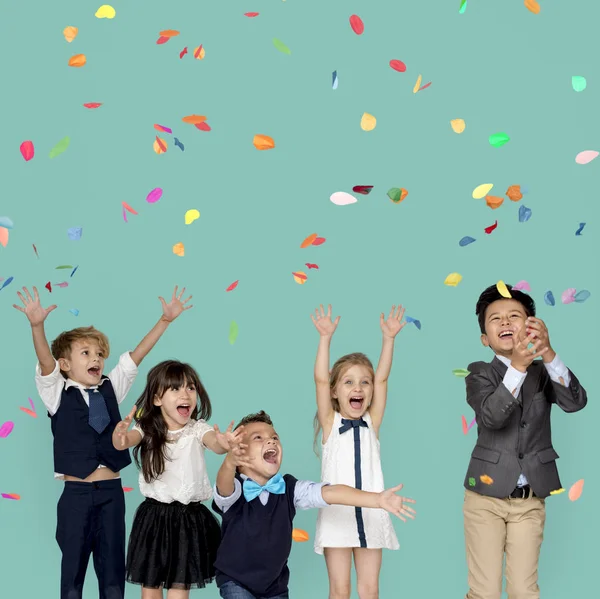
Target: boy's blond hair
<point>63,344</point>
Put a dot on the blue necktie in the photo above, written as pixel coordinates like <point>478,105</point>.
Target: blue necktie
<point>275,485</point>
<point>99,418</point>
<point>348,424</point>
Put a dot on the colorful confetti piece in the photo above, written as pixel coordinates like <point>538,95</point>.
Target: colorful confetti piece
<point>263,142</point>
<point>199,52</point>
<point>461,372</point>
<point>486,480</point>
<point>300,536</point>
<point>532,6</point>
<point>27,150</point>
<point>557,492</point>
<point>357,24</point>
<point>74,233</point>
<point>232,286</point>
<point>233,332</point>
<point>279,45</point>
<point>482,190</point>
<point>6,429</point>
<point>503,289</point>
<point>334,80</point>
<point>160,145</point>
<point>4,237</point>
<point>70,33</point>
<point>74,311</point>
<point>465,241</point>
<point>310,265</point>
<point>398,65</point>
<point>154,195</point>
<point>10,496</point>
<point>191,216</point>
<point>127,489</point>
<point>494,202</point>
<point>453,279</point>
<point>397,194</point>
<point>7,283</point>
<point>368,122</point>
<point>524,213</point>
<point>300,277</point>
<point>576,490</point>
<point>77,61</point>
<point>6,222</point>
<point>463,7</point>
<point>513,193</point>
<point>60,147</point>
<point>458,125</point>
<point>105,12</point>
<point>498,139</point>
<point>549,298</point>
<point>580,229</point>
<point>309,240</point>
<point>568,296</point>
<point>341,198</point>
<point>521,286</point>
<point>582,295</point>
<point>363,189</point>
<point>579,83</point>
<point>417,84</point>
<point>417,323</point>
<point>179,249</point>
<point>178,144</point>
<point>586,156</point>
<point>93,104</point>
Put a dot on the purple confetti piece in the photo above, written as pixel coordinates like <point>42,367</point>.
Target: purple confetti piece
<point>472,423</point>
<point>154,195</point>
<point>166,129</point>
<point>6,429</point>
<point>31,404</point>
<point>522,286</point>
<point>568,295</point>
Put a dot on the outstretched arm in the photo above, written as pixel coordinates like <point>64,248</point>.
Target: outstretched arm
<point>122,438</point>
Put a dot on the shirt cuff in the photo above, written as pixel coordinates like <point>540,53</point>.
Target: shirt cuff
<point>513,379</point>
<point>557,370</point>
<point>127,363</point>
<point>224,503</point>
<point>49,379</point>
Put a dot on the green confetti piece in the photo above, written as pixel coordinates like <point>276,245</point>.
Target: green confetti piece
<point>60,147</point>
<point>233,332</point>
<point>472,482</point>
<point>63,266</point>
<point>460,372</point>
<point>579,83</point>
<point>281,46</point>
<point>394,194</point>
<point>498,139</point>
<point>463,7</point>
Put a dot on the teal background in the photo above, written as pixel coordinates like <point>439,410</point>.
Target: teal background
<point>498,66</point>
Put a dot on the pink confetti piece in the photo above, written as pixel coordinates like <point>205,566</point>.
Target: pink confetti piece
<point>586,156</point>
<point>465,428</point>
<point>31,403</point>
<point>6,429</point>
<point>568,295</point>
<point>163,129</point>
<point>11,496</point>
<point>127,489</point>
<point>28,411</point>
<point>154,195</point>
<point>62,285</point>
<point>522,286</point>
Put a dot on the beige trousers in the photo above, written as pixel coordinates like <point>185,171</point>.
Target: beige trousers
<point>495,527</point>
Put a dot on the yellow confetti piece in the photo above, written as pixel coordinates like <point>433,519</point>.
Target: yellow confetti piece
<point>503,289</point>
<point>199,52</point>
<point>70,33</point>
<point>160,146</point>
<point>106,12</point>
<point>453,279</point>
<point>417,85</point>
<point>138,414</point>
<point>482,190</point>
<point>191,216</point>
<point>179,249</point>
<point>300,277</point>
<point>557,492</point>
<point>486,480</point>
<point>458,125</point>
<point>368,122</point>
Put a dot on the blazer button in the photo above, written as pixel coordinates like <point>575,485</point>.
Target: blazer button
<point>520,456</point>
<point>523,424</point>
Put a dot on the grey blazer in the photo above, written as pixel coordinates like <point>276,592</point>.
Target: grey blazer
<point>513,434</point>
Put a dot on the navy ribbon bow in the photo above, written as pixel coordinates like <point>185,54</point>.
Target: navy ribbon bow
<point>348,424</point>
<point>275,485</point>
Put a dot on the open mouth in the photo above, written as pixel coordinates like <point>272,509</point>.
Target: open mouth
<point>506,335</point>
<point>184,409</point>
<point>356,402</point>
<point>270,456</point>
<point>94,371</point>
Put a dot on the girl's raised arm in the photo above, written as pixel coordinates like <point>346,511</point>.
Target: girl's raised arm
<point>123,438</point>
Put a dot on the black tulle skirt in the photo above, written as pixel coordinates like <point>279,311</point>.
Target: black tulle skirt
<point>172,545</point>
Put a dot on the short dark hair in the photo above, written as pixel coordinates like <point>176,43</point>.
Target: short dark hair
<point>261,416</point>
<point>491,295</point>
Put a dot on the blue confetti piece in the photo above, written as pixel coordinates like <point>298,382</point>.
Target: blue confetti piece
<point>417,323</point>
<point>7,282</point>
<point>582,296</point>
<point>6,222</point>
<point>74,233</point>
<point>465,241</point>
<point>179,144</point>
<point>334,80</point>
<point>74,311</point>
<point>578,232</point>
<point>524,214</point>
<point>549,298</point>
<point>74,270</point>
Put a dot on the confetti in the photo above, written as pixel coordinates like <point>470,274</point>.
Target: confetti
<point>334,80</point>
<point>183,52</point>
<point>309,240</point>
<point>397,194</point>
<point>300,277</point>
<point>503,289</point>
<point>279,45</point>
<point>169,33</point>
<point>586,156</point>
<point>424,86</point>
<point>35,250</point>
<point>251,14</point>
<point>3,237</point>
<point>233,332</point>
<point>28,411</point>
<point>532,6</point>
<point>191,216</point>
<point>463,7</point>
<point>310,265</point>
<point>63,267</point>
<point>61,285</point>
<point>10,496</point>
<point>232,286</point>
<point>498,139</point>
<point>398,65</point>
<point>77,61</point>
<point>465,426</point>
<point>458,125</point>
<point>461,372</point>
<point>522,286</point>
<point>105,12</point>
<point>579,83</point>
<point>568,296</point>
<point>549,298</point>
<point>163,129</point>
<point>524,214</point>
<point>7,283</point>
<point>127,208</point>
<point>513,193</point>
<point>154,195</point>
<point>417,84</point>
<point>472,482</point>
<point>582,295</point>
<point>193,119</point>
<point>580,229</point>
<point>70,33</point>
<point>203,126</point>
<point>162,40</point>
<point>453,279</point>
<point>486,480</point>
<point>27,150</point>
<point>160,145</point>
<point>74,271</point>
<point>48,286</point>
<point>179,144</point>
<point>368,122</point>
<point>557,492</point>
<point>494,201</point>
<point>482,190</point>
<point>74,311</point>
<point>357,25</point>
<point>488,230</point>
<point>127,489</point>
<point>199,52</point>
<point>341,198</point>
<point>6,429</point>
<point>178,249</point>
<point>465,241</point>
<point>6,222</point>
<point>576,490</point>
<point>93,104</point>
<point>60,147</point>
<point>362,189</point>
<point>414,321</point>
<point>74,233</point>
<point>300,536</point>
<point>263,142</point>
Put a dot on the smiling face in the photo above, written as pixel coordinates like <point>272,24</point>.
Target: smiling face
<point>503,319</point>
<point>177,404</point>
<point>264,452</point>
<point>85,363</point>
<point>354,391</point>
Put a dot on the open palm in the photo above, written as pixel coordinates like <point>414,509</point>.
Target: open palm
<point>33,309</point>
<point>175,307</point>
<point>394,323</point>
<point>323,322</point>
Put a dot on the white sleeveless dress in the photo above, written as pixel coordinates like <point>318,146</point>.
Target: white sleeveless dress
<point>345,526</point>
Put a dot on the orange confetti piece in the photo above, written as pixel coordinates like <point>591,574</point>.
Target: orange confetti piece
<point>169,33</point>
<point>486,480</point>
<point>78,60</point>
<point>160,146</point>
<point>70,33</point>
<point>179,249</point>
<point>11,496</point>
<point>193,119</point>
<point>533,6</point>
<point>3,237</point>
<point>576,490</point>
<point>199,52</point>
<point>308,241</point>
<point>300,277</point>
<point>514,193</point>
<point>300,536</point>
<point>263,142</point>
<point>494,201</point>
<point>28,411</point>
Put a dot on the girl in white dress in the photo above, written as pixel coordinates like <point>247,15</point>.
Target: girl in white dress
<point>350,405</point>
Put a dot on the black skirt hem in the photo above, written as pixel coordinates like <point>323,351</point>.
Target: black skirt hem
<point>174,585</point>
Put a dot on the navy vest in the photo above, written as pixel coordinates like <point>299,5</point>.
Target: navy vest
<point>257,541</point>
<point>78,448</point>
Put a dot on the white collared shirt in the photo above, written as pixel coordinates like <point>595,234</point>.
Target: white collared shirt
<point>50,387</point>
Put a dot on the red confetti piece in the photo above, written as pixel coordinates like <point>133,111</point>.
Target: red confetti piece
<point>197,51</point>
<point>161,145</point>
<point>48,286</point>
<point>93,104</point>
<point>163,129</point>
<point>27,150</point>
<point>232,286</point>
<point>489,229</point>
<point>162,39</point>
<point>362,189</point>
<point>300,275</point>
<point>465,426</point>
<point>357,25</point>
<point>319,241</point>
<point>251,14</point>
<point>424,86</point>
<point>310,265</point>
<point>398,65</point>
<point>11,496</point>
<point>35,250</point>
<point>127,489</point>
<point>204,126</point>
<point>28,411</point>
<point>183,52</point>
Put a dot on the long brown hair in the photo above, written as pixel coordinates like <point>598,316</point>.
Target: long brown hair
<point>149,454</point>
<point>339,369</point>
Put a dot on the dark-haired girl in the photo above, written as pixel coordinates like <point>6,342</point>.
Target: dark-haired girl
<point>174,537</point>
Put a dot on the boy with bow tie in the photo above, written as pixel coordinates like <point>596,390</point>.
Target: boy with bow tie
<point>258,506</point>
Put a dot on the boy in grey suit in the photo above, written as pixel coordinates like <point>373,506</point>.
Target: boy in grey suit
<point>512,468</point>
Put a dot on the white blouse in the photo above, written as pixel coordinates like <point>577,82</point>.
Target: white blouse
<point>184,478</point>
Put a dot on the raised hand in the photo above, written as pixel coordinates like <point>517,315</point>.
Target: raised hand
<point>175,307</point>
<point>537,327</point>
<point>323,321</point>
<point>522,354</point>
<point>230,438</point>
<point>395,504</point>
<point>122,427</point>
<point>394,323</point>
<point>238,456</point>
<point>33,308</point>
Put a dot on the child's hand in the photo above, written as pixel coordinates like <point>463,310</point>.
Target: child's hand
<point>238,456</point>
<point>121,429</point>
<point>522,355</point>
<point>394,324</point>
<point>175,307</point>
<point>33,308</point>
<point>323,321</point>
<point>389,501</point>
<point>538,328</point>
<point>229,438</point>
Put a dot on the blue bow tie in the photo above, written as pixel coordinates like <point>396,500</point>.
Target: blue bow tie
<point>275,485</point>
<point>348,424</point>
